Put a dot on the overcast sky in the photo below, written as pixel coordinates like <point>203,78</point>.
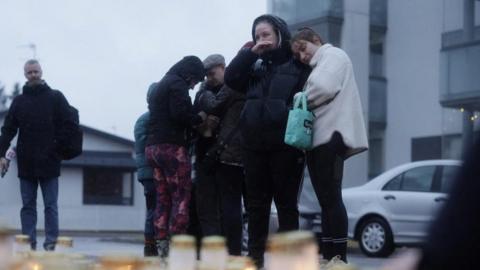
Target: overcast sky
<point>103,54</point>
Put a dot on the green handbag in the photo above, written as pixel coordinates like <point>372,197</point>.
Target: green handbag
<point>299,125</point>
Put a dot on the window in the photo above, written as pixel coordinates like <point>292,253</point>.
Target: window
<point>394,184</point>
<point>426,148</point>
<point>375,158</point>
<point>448,176</point>
<point>110,186</point>
<point>418,179</point>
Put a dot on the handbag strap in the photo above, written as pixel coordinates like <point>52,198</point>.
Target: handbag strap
<point>303,99</point>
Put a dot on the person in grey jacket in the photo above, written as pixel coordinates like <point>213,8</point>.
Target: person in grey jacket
<point>227,105</point>
<point>145,177</point>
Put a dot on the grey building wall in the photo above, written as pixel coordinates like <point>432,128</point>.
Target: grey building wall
<point>355,42</point>
<point>413,43</point>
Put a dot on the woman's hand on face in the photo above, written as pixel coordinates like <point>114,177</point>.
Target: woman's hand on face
<point>262,46</point>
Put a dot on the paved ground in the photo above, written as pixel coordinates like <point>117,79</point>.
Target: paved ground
<point>97,245</point>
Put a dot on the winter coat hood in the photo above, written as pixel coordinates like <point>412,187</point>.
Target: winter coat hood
<point>190,67</point>
<point>280,27</point>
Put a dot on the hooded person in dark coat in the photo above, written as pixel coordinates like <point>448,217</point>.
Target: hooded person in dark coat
<point>270,77</point>
<point>171,117</point>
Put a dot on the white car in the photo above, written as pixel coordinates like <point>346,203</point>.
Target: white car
<point>396,207</point>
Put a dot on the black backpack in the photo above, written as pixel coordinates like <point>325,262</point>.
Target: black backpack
<point>71,136</point>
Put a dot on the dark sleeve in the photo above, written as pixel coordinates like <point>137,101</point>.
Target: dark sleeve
<point>237,73</point>
<point>454,237</point>
<point>215,103</point>
<point>181,107</point>
<point>9,128</point>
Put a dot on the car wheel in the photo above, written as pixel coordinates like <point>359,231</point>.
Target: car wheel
<point>375,238</point>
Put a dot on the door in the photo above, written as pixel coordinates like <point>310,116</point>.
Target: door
<point>410,202</point>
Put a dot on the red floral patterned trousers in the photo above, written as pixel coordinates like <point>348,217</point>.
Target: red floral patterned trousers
<point>172,173</point>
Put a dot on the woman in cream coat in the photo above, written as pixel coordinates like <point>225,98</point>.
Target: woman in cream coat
<point>338,131</point>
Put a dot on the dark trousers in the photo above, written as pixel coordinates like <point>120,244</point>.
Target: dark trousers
<point>271,175</point>
<point>207,201</point>
<point>325,165</point>
<point>150,200</point>
<point>194,225</point>
<point>230,180</point>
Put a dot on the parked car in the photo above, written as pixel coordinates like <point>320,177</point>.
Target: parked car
<point>308,208</point>
<point>397,207</point>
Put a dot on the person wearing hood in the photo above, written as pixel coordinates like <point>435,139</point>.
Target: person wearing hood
<point>37,115</point>
<point>270,77</point>
<point>145,177</point>
<point>171,117</point>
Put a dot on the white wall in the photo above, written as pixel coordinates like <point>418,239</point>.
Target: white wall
<point>76,216</point>
<point>413,44</point>
<point>355,41</point>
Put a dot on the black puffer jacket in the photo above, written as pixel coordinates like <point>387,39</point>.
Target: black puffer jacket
<point>170,106</point>
<point>36,115</point>
<point>270,82</point>
<point>226,104</point>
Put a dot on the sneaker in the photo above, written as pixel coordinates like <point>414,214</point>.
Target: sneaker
<point>150,250</point>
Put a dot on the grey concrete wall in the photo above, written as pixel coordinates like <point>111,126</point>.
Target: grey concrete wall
<point>412,66</point>
<point>355,41</point>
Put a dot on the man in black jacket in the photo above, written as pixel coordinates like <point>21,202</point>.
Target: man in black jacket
<point>36,115</point>
<point>223,187</point>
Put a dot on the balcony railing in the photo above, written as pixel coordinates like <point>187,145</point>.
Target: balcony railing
<point>377,107</point>
<point>460,76</point>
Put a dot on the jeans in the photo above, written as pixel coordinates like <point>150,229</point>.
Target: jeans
<point>150,200</point>
<point>28,213</point>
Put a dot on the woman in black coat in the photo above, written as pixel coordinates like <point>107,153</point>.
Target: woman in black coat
<point>270,77</point>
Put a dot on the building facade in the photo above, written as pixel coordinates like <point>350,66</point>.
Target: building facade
<point>98,191</point>
<point>416,65</point>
